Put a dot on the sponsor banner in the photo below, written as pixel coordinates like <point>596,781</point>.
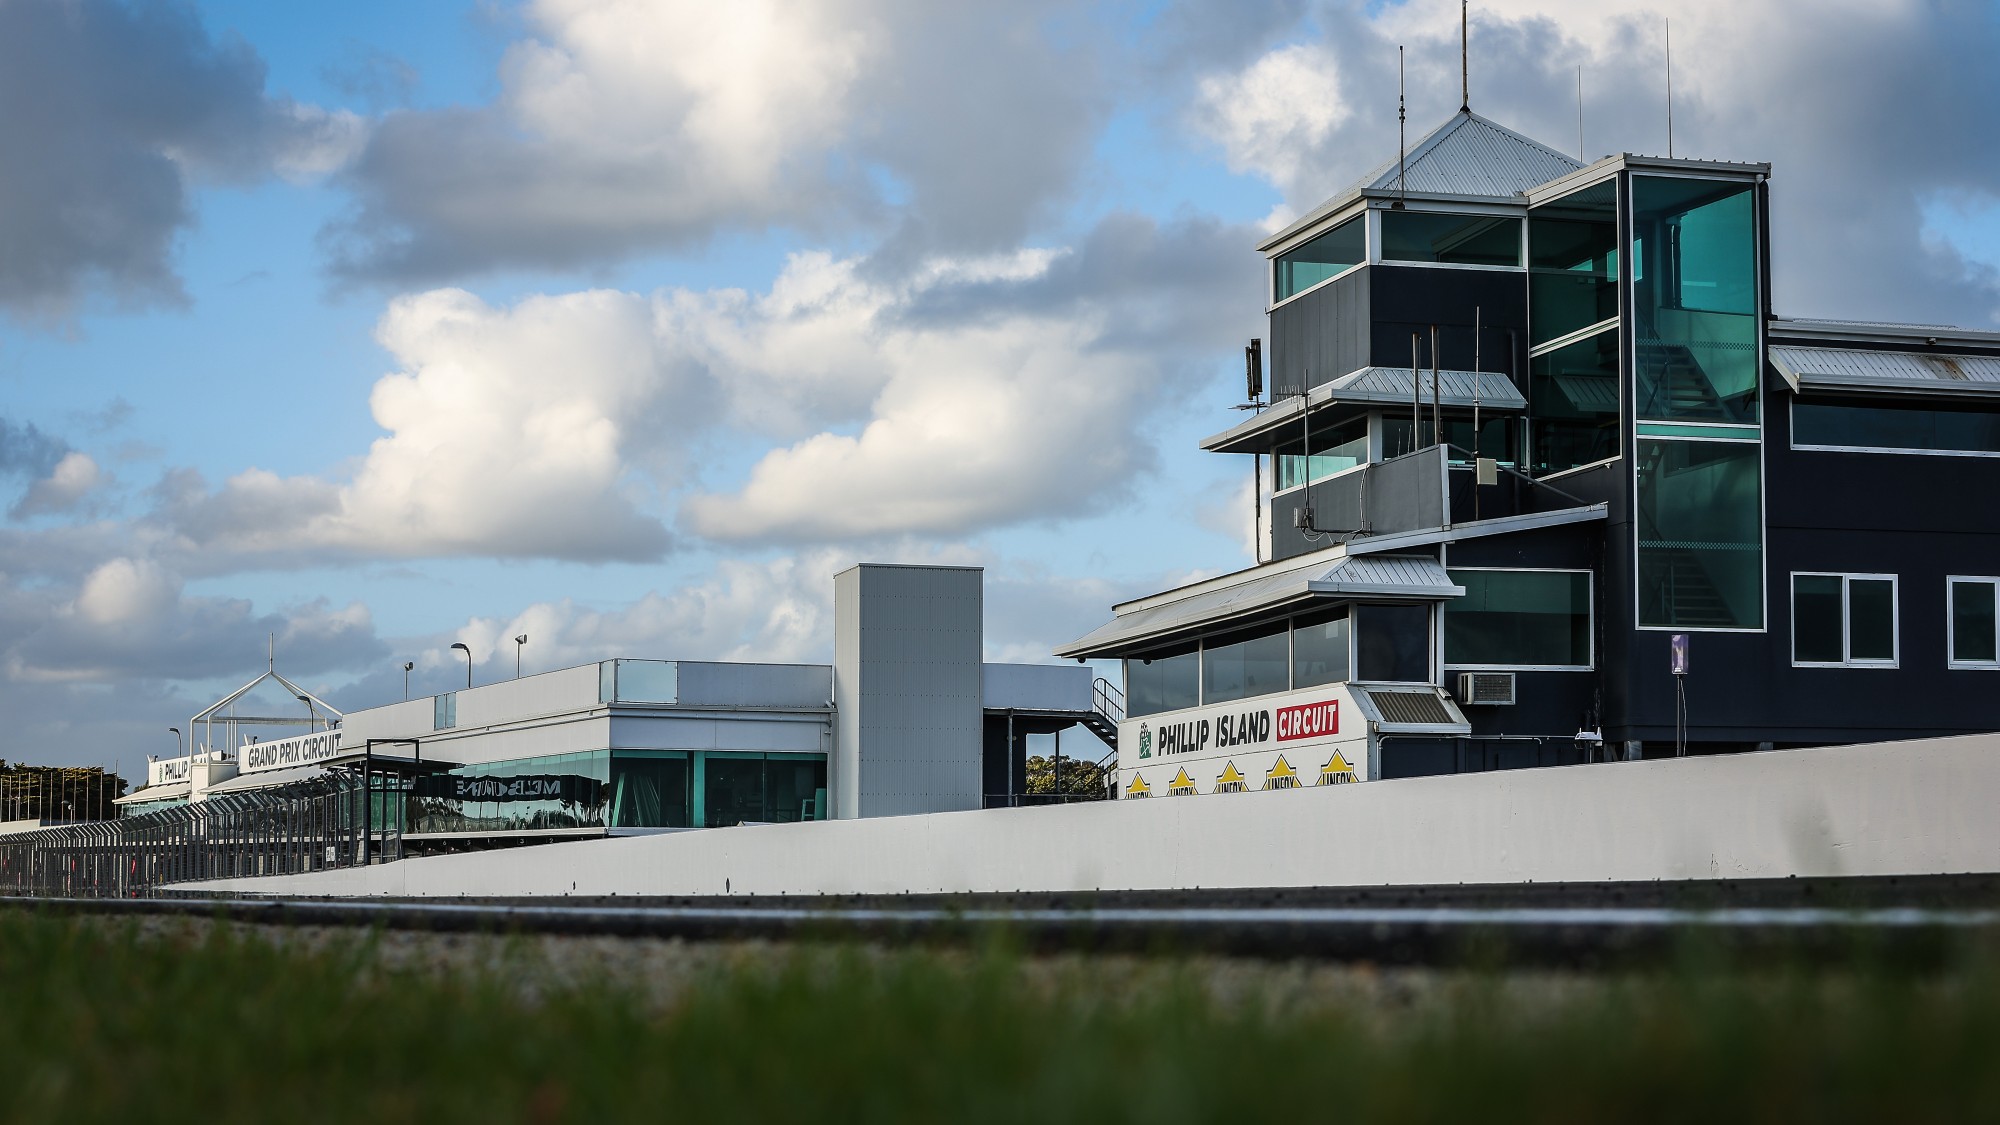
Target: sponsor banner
<point>568,788</point>
<point>283,753</point>
<point>170,771</point>
<point>1290,741</point>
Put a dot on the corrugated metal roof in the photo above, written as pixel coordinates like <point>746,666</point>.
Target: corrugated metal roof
<point>1905,372</point>
<point>1400,576</point>
<point>1467,155</point>
<point>266,779</point>
<point>1389,385</point>
<point>1490,389</point>
<point>156,793</point>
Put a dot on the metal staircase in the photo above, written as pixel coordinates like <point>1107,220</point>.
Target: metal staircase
<point>1681,389</point>
<point>1107,710</point>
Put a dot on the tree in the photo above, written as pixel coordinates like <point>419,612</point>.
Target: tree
<point>58,793</point>
<point>1081,777</point>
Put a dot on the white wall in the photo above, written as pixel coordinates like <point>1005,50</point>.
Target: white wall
<point>1884,809</point>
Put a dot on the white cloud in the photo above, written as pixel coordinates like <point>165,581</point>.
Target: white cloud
<point>1273,116</point>
<point>73,479</point>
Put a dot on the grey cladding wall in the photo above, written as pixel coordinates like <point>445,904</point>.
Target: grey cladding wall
<point>907,647</point>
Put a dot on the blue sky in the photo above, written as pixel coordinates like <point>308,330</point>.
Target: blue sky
<point>625,325</point>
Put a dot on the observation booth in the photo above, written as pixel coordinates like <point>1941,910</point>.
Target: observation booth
<point>1543,480</point>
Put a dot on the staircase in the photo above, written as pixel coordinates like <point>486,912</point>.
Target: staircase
<point>1107,710</point>
<point>1681,389</point>
<point>1696,602</point>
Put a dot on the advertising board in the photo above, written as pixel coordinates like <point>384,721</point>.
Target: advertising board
<point>283,753</point>
<point>169,771</point>
<point>1310,737</point>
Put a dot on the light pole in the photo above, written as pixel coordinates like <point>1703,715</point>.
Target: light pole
<point>407,665</point>
<point>179,750</point>
<point>520,642</point>
<point>460,646</point>
<point>312,716</point>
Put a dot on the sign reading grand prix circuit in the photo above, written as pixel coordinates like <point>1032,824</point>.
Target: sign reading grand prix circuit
<point>281,753</point>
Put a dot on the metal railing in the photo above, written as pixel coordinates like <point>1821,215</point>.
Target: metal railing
<point>310,825</point>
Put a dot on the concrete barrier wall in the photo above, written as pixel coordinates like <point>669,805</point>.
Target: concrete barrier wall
<point>1886,809</point>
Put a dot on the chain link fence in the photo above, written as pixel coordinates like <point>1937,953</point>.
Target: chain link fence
<point>311,825</point>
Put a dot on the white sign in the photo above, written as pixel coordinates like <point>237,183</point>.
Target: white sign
<point>1311,737</point>
<point>283,753</point>
<point>169,771</point>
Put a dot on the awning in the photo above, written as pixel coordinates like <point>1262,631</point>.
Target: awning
<point>1381,386</point>
<point>1263,589</point>
<point>176,790</point>
<point>267,779</point>
<point>1857,369</point>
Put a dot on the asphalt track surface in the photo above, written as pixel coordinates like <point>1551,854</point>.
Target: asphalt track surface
<point>1924,920</point>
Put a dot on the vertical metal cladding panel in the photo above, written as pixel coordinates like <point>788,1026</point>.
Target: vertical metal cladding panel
<point>907,683</point>
<point>1323,334</point>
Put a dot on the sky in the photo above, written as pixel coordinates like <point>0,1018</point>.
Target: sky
<point>625,324</point>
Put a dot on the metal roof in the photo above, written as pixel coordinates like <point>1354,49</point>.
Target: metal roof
<point>156,793</point>
<point>1266,588</point>
<point>1468,155</point>
<point>268,779</point>
<point>1390,386</point>
<point>1857,369</point>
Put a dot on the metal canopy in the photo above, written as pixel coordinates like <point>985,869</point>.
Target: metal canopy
<point>205,720</point>
<point>1371,577</point>
<point>1369,386</point>
<point>156,793</point>
<point>1874,372</point>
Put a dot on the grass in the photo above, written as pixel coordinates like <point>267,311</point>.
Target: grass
<point>105,1020</point>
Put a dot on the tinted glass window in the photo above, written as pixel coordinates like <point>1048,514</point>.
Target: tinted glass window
<point>1816,618</point>
<point>1694,257</point>
<point>1163,681</point>
<point>1459,240</point>
<point>1518,617</point>
<point>1246,664</point>
<point>1338,249</point>
<point>1573,404</point>
<point>1973,635</point>
<point>1701,534</point>
<point>1881,426</point>
<point>1320,648</point>
<point>1572,263</point>
<point>1871,621</point>
<point>649,791</point>
<point>1335,449</point>
<point>1393,643</point>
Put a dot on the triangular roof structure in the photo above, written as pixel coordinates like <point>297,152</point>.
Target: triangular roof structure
<point>1468,156</point>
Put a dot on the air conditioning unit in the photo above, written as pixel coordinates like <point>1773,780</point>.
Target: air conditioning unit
<point>1486,688</point>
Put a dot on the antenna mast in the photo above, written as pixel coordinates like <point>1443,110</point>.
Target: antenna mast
<point>1579,115</point>
<point>1464,69</point>
<point>1670,89</point>
<point>1402,192</point>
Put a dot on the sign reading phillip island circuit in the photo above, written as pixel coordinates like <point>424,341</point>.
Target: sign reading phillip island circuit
<point>303,750</point>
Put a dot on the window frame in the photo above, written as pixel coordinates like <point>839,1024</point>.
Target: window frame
<point>1846,619</point>
<point>1591,617</point>
<point>1951,623</point>
<point>1368,247</point>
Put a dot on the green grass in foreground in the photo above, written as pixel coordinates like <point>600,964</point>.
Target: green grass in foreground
<point>105,1020</point>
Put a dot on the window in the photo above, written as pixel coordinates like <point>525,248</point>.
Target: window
<point>445,711</point>
<point>1496,437</point>
<point>1694,300</point>
<point>1329,255</point>
<point>1335,449</point>
<point>1573,263</point>
<point>1454,240</point>
<point>1166,680</point>
<point>1240,665</point>
<point>1700,526</point>
<point>650,789</point>
<point>1844,620</point>
<point>1892,428</point>
<point>1392,643</point>
<point>1974,637</point>
<point>1519,619</point>
<point>1320,648</point>
<point>740,788</point>
<point>1573,392</point>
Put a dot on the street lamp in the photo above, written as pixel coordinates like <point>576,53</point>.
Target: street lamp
<point>312,716</point>
<point>520,642</point>
<point>407,665</point>
<point>179,750</point>
<point>460,646</point>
